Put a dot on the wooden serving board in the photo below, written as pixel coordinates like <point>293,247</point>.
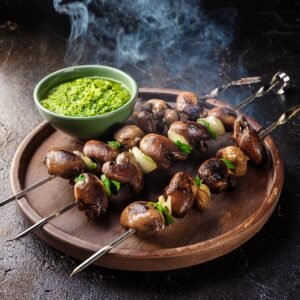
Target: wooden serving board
<point>233,218</point>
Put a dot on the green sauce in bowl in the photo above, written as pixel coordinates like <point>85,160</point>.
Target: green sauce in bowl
<point>86,97</point>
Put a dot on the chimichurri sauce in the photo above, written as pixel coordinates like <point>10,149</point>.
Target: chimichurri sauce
<point>85,97</point>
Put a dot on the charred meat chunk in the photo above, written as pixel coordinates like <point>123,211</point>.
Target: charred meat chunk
<point>142,217</point>
<point>182,191</point>
<point>187,102</point>
<point>249,142</point>
<point>64,164</point>
<point>129,136</point>
<point>236,156</point>
<point>193,132</point>
<point>125,170</point>
<point>99,151</point>
<point>161,150</point>
<point>216,175</point>
<point>89,191</point>
<point>226,115</point>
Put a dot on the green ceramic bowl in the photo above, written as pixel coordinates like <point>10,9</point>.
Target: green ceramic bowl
<point>85,127</point>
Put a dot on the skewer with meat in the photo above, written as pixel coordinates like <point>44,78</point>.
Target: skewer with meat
<point>91,196</point>
<point>177,190</point>
<point>152,222</point>
<point>170,116</point>
<point>150,218</point>
<point>64,164</point>
<point>220,173</point>
<point>156,115</point>
<point>156,152</point>
<point>125,173</point>
<point>184,192</point>
<point>249,142</point>
<point>68,165</point>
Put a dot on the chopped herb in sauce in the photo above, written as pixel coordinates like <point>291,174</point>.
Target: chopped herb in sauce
<point>85,97</point>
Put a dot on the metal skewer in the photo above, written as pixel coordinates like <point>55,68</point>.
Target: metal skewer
<point>44,221</point>
<point>282,120</point>
<point>279,77</point>
<point>23,192</point>
<point>280,81</point>
<point>221,89</point>
<point>122,237</point>
<point>248,80</point>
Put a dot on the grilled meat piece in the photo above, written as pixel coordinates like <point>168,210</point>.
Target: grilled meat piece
<point>226,115</point>
<point>237,157</point>
<point>182,190</point>
<point>187,102</point>
<point>129,136</point>
<point>216,176</point>
<point>64,164</point>
<point>161,150</point>
<point>249,142</point>
<point>146,121</point>
<point>193,132</point>
<point>125,170</point>
<point>99,151</point>
<point>142,217</point>
<point>89,191</point>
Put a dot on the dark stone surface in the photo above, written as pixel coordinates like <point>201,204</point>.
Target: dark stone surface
<point>267,39</point>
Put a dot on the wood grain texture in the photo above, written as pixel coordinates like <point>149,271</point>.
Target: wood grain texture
<point>233,218</point>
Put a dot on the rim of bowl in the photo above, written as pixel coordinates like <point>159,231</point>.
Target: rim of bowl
<point>53,74</point>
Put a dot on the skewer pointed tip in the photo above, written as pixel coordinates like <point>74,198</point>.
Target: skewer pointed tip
<point>10,240</point>
<point>17,237</point>
<point>125,235</point>
<point>74,272</point>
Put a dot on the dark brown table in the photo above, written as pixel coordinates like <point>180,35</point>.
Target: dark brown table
<point>33,40</point>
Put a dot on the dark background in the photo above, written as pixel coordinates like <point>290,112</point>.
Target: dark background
<point>33,42</point>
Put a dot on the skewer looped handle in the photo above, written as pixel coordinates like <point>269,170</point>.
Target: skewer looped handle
<point>30,188</point>
<point>280,80</point>
<point>282,120</point>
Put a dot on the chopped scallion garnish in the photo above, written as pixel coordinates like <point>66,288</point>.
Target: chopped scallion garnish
<point>198,181</point>
<point>114,144</point>
<point>211,132</point>
<point>184,148</point>
<point>111,186</point>
<point>164,211</point>
<point>79,178</point>
<point>230,165</point>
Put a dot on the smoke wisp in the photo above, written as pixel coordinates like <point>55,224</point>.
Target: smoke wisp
<point>161,43</point>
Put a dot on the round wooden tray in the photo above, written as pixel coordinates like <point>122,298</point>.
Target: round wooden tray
<point>233,218</point>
